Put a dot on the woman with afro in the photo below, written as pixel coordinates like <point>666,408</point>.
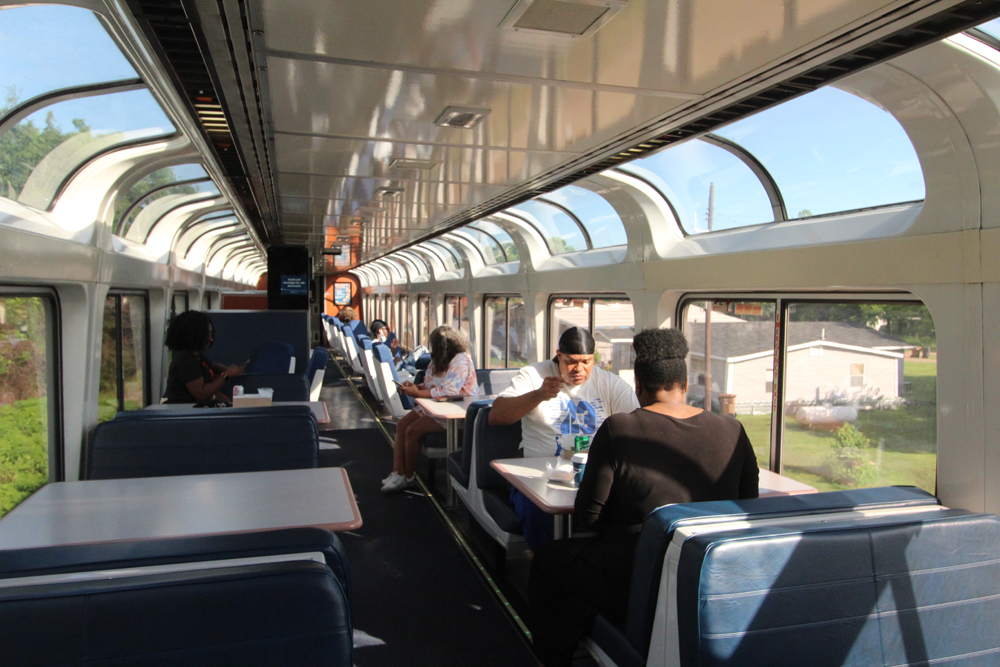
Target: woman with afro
<point>193,377</point>
<point>665,452</point>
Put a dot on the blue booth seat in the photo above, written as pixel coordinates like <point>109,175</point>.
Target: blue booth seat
<point>287,387</point>
<point>460,462</point>
<point>631,646</point>
<point>496,442</point>
<point>151,443</point>
<point>316,371</point>
<point>271,602</point>
<point>494,381</point>
<point>273,358</point>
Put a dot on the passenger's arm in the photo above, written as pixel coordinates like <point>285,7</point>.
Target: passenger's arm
<point>598,477</point>
<point>750,475</point>
<point>202,390</point>
<point>509,409</point>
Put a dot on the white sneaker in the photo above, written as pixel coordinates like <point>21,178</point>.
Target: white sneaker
<point>391,476</point>
<point>399,483</point>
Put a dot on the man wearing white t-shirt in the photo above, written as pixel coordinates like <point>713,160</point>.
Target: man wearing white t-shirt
<point>556,400</point>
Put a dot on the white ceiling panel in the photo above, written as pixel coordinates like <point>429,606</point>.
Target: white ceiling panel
<point>684,46</point>
<point>323,99</point>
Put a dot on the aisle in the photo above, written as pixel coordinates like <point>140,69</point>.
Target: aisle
<point>416,598</point>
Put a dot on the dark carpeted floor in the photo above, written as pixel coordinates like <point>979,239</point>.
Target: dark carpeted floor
<point>417,599</point>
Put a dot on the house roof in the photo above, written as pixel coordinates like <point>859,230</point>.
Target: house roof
<point>737,339</point>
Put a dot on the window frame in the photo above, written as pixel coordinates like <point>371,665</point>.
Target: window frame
<point>782,302</point>
<point>119,377</point>
<point>591,297</point>
<point>53,376</point>
<point>488,336</point>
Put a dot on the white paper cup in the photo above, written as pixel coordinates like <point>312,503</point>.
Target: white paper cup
<point>265,392</point>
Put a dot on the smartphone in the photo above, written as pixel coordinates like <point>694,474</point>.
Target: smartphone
<point>397,383</point>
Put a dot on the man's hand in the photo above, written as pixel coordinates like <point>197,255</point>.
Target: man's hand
<point>551,386</point>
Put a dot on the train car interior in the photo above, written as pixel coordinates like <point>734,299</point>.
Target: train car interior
<point>304,205</point>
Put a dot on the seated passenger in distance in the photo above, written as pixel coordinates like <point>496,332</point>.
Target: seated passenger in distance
<point>557,400</point>
<point>193,377</point>
<point>349,317</point>
<point>451,373</point>
<point>666,452</point>
<point>382,334</point>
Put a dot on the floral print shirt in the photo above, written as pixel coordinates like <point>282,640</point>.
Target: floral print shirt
<point>459,380</point>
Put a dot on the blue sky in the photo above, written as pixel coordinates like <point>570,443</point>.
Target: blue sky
<point>44,48</point>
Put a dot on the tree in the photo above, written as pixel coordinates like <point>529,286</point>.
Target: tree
<point>25,144</point>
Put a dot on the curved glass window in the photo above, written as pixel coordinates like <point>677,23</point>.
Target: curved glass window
<point>418,261</point>
<point>690,174</point>
<point>202,233</point>
<point>594,212</point>
<point>429,256</point>
<point>501,236</point>
<point>459,238</point>
<point>40,152</point>
<point>158,181</point>
<point>491,250</point>
<point>164,199</point>
<point>991,28</point>
<point>562,234</point>
<point>450,257</point>
<point>51,47</point>
<point>831,151</point>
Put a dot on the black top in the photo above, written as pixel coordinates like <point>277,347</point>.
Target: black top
<point>643,460</point>
<point>186,367</point>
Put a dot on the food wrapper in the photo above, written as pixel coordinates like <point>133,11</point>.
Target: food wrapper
<point>561,472</point>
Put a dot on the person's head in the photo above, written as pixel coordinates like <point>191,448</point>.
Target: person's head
<point>347,314</point>
<point>191,331</point>
<point>379,331</point>
<point>575,355</point>
<point>445,343</point>
<point>659,363</point>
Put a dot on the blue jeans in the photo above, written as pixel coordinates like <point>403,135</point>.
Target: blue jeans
<point>535,525</point>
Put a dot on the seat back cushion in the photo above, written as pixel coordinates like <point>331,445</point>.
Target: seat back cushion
<point>468,433</point>
<point>220,442</point>
<point>494,442</point>
<point>285,613</point>
<point>892,590</point>
<point>492,382</point>
<point>658,531</point>
<point>273,357</point>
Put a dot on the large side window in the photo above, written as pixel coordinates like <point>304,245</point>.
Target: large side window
<point>405,325</point>
<point>610,320</point>
<point>179,304</point>
<point>29,447</point>
<point>853,385</point>
<point>124,355</point>
<point>425,319</point>
<point>456,313</point>
<point>738,337</point>
<point>504,340</point>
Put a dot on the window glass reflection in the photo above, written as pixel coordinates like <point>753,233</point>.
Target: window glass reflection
<point>502,237</point>
<point>495,332</point>
<point>26,326</point>
<point>51,47</point>
<point>831,151</point>
<point>40,152</point>
<point>694,173</point>
<point>860,396</point>
<point>561,232</point>
<point>566,313</point>
<point>614,329</point>
<point>738,336</point>
<point>597,215</point>
<point>991,28</point>
<point>157,181</point>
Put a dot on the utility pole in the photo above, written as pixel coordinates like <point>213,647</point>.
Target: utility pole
<point>708,314</point>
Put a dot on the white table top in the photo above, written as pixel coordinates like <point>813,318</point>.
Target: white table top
<point>528,476</point>
<point>449,409</point>
<point>318,408</point>
<point>159,507</point>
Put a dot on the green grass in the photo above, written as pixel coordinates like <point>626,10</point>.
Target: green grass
<point>24,452</point>
<point>903,442</point>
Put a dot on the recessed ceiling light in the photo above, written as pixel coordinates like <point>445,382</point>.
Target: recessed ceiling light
<point>568,18</point>
<point>388,190</point>
<point>407,163</point>
<point>464,118</point>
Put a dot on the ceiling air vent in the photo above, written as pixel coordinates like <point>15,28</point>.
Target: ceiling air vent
<point>408,163</point>
<point>569,18</point>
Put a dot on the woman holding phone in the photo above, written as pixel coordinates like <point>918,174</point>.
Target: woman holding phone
<point>193,377</point>
<point>451,374</point>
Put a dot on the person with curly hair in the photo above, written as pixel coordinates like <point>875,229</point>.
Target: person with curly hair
<point>193,377</point>
<point>350,318</point>
<point>665,452</point>
<point>450,374</point>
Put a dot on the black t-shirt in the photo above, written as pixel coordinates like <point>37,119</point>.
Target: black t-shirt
<point>186,367</point>
<point>643,460</point>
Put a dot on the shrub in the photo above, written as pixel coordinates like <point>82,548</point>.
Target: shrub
<point>850,462</point>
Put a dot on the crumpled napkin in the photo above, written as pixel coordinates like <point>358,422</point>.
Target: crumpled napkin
<point>561,472</point>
